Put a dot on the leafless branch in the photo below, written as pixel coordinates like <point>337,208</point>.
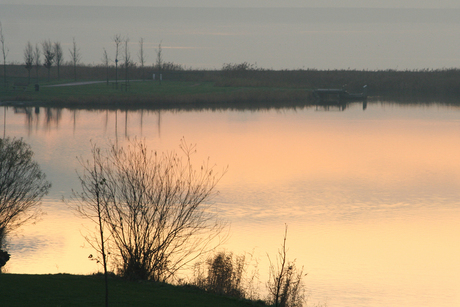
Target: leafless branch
<point>153,205</point>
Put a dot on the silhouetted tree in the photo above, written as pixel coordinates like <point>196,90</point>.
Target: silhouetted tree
<point>75,57</point>
<point>5,52</point>
<point>48,54</point>
<point>28,59</point>
<point>152,205</point>
<point>37,60</point>
<point>22,185</point>
<point>128,63</point>
<point>105,59</point>
<point>117,40</point>
<point>91,207</point>
<point>142,57</point>
<point>159,62</point>
<point>59,57</point>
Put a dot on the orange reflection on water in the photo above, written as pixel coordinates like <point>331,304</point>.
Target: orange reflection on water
<point>371,199</point>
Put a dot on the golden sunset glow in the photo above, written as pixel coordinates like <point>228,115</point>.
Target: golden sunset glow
<point>369,198</point>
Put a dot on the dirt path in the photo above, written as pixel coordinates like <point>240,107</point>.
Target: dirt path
<point>86,83</point>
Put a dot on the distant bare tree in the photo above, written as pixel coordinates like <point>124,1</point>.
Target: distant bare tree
<point>37,60</point>
<point>75,56</point>
<point>142,57</point>
<point>5,52</point>
<point>117,40</point>
<point>159,62</point>
<point>48,54</point>
<point>127,60</point>
<point>59,57</point>
<point>105,60</point>
<point>29,59</point>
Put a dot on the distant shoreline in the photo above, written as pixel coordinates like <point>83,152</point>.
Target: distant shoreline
<point>237,85</point>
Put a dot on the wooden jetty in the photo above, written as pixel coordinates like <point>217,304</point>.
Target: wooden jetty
<point>339,95</point>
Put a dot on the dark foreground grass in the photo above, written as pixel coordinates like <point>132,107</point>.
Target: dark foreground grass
<point>88,290</point>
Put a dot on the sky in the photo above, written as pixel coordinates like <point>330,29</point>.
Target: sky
<point>252,3</point>
<point>326,34</point>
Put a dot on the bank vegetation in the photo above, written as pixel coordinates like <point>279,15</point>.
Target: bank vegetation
<point>170,84</point>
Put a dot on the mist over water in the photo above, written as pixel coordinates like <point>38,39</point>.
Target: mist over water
<point>278,38</point>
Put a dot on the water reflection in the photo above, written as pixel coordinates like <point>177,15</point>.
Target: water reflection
<point>52,117</point>
<point>337,106</point>
<point>372,199</point>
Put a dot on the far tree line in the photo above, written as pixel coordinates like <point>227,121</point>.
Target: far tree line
<point>50,54</point>
<point>53,56</point>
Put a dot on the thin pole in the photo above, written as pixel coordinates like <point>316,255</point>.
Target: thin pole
<point>4,121</point>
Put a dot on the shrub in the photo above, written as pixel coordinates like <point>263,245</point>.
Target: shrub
<point>226,274</point>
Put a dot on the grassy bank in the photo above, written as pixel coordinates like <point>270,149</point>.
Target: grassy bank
<point>81,290</point>
<point>232,85</point>
<point>149,94</point>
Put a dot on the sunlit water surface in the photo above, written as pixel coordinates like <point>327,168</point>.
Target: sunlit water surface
<point>370,197</point>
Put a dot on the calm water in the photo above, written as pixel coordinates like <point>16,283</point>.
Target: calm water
<point>278,38</point>
<point>371,197</point>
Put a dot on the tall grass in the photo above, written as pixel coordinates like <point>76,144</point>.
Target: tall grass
<point>446,81</point>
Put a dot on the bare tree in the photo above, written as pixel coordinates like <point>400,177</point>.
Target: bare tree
<point>28,59</point>
<point>59,57</point>
<point>22,185</point>
<point>5,52</point>
<point>37,59</point>
<point>91,207</point>
<point>152,205</point>
<point>285,282</point>
<point>117,40</point>
<point>142,57</point>
<point>127,60</point>
<point>75,56</point>
<point>159,62</point>
<point>48,54</point>
<point>105,60</point>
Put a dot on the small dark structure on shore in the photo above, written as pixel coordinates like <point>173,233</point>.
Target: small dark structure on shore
<point>339,95</point>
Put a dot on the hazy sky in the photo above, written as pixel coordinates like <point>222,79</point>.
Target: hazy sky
<point>324,34</point>
<point>253,3</point>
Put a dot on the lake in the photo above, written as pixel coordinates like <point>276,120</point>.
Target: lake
<point>371,196</point>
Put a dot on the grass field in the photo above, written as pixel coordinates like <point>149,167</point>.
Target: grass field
<point>83,291</point>
<point>147,93</point>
